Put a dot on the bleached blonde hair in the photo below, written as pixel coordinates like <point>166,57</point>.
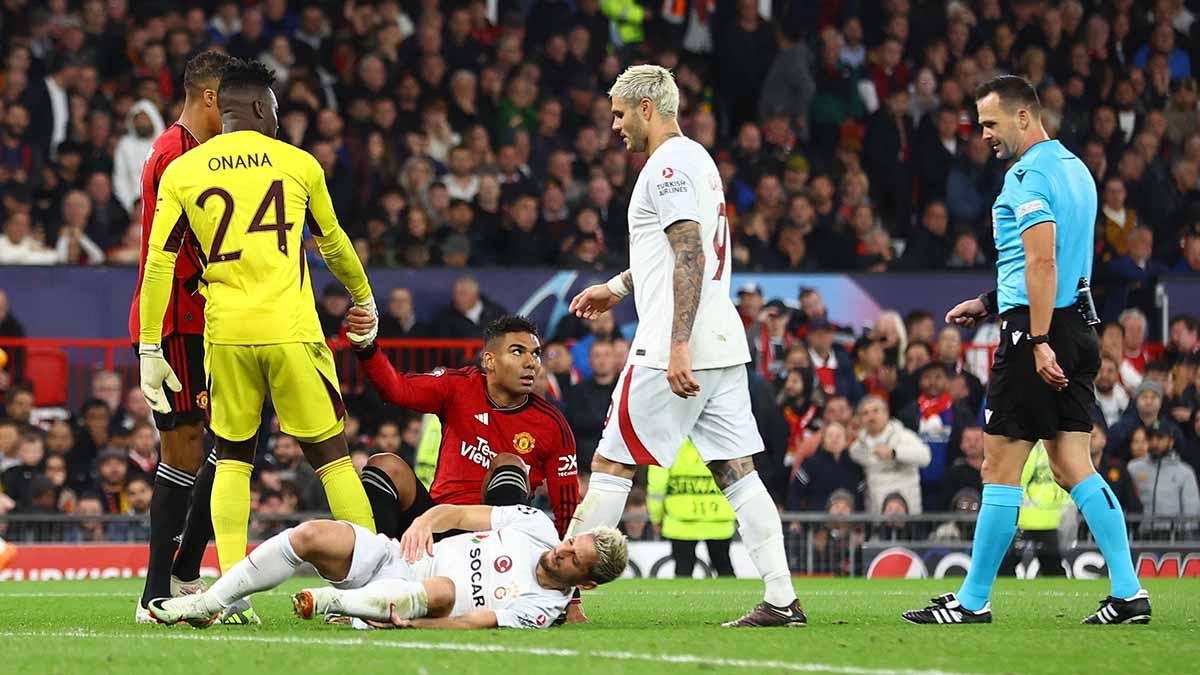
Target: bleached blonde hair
<point>651,82</point>
<point>612,553</point>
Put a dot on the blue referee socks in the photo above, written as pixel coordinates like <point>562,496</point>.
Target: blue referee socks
<point>1106,520</point>
<point>994,532</point>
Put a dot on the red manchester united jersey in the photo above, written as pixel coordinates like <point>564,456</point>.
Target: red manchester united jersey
<point>185,313</point>
<point>474,431</point>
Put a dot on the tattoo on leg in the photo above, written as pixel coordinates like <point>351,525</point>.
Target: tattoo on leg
<point>728,472</point>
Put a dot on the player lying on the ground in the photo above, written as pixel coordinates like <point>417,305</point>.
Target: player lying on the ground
<point>508,569</point>
<point>498,437</point>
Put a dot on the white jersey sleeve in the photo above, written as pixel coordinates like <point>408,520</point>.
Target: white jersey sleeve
<point>530,521</point>
<point>680,182</point>
<point>533,609</point>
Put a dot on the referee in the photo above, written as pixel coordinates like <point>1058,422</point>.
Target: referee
<point>1041,382</point>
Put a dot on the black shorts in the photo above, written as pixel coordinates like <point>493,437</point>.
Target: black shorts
<point>504,494</point>
<point>185,354</point>
<point>1019,402</point>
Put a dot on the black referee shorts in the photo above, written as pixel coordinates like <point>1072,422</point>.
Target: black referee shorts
<point>184,352</point>
<point>1019,402</point>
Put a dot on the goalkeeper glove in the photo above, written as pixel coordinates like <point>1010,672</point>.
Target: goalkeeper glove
<point>360,340</point>
<point>155,372</point>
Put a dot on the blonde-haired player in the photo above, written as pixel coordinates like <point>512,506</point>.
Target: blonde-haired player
<point>686,374</point>
<point>246,196</point>
<point>508,569</point>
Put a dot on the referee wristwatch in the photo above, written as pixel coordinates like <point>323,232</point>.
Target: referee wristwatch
<point>1039,339</point>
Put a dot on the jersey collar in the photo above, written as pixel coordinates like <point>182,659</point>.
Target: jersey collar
<point>512,409</point>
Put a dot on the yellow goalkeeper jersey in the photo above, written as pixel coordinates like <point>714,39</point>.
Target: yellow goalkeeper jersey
<point>246,198</point>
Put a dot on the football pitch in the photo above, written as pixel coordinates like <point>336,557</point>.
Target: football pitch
<point>639,626</point>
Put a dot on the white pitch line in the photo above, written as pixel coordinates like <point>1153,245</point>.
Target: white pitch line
<point>678,659</point>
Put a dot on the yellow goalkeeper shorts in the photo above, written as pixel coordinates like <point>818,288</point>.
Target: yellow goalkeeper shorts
<point>300,376</point>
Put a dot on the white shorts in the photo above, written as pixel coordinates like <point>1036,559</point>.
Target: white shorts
<point>647,422</point>
<point>377,556</point>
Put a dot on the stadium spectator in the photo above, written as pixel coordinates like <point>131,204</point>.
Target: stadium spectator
<point>467,313</point>
<point>949,352</point>
<point>1189,261</point>
<point>19,246</point>
<point>586,403</point>
<point>1166,485</point>
<point>20,405</point>
<point>939,423</point>
<point>1114,472</point>
<point>143,450</point>
<point>891,457</point>
<point>930,245</point>
<point>143,123</point>
<point>769,337</point>
<point>291,466</point>
<point>602,328</point>
<point>831,363</point>
<point>1184,340</point>
<point>1147,411</point>
<point>75,245</point>
<point>829,469</point>
<point>1135,352</point>
<point>17,480</point>
<point>1111,397</point>
<point>112,471</point>
<point>399,319</point>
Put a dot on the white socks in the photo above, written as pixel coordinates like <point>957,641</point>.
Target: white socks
<point>377,599</point>
<point>762,533</point>
<point>602,505</point>
<point>271,564</point>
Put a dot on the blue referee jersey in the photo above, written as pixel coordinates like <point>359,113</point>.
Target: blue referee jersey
<point>1047,183</point>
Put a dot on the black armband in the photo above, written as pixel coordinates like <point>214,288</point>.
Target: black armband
<point>367,352</point>
<point>990,302</point>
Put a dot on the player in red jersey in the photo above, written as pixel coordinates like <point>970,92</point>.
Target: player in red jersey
<point>182,429</point>
<point>498,437</point>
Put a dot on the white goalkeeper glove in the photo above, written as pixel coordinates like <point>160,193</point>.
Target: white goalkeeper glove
<point>155,373</point>
<point>360,340</point>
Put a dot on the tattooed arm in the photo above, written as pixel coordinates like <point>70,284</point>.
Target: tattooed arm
<point>684,237</point>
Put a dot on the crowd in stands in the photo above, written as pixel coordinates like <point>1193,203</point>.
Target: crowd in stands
<point>467,133</point>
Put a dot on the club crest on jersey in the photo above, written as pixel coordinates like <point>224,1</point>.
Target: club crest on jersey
<point>503,564</point>
<point>523,442</point>
<point>202,400</point>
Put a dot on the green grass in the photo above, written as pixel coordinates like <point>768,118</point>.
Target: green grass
<point>638,626</point>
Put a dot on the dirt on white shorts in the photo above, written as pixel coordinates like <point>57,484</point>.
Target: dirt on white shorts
<point>377,556</point>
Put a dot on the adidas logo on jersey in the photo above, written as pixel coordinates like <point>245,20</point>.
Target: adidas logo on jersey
<point>482,417</point>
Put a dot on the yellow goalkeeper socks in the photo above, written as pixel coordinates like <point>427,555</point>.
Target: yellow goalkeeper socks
<point>347,498</point>
<point>231,510</point>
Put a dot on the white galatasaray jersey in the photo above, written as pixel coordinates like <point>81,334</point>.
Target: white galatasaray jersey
<point>680,182</point>
<point>497,569</point>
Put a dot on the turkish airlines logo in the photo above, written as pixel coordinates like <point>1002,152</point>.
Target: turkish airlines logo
<point>668,172</point>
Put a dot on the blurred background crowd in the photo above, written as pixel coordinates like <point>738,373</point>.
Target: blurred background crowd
<point>477,133</point>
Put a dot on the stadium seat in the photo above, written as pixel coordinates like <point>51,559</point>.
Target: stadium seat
<point>48,369</point>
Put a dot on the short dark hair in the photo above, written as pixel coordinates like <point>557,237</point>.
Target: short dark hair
<point>1013,90</point>
<point>239,74</point>
<point>203,69</point>
<point>509,323</point>
<point>1188,321</point>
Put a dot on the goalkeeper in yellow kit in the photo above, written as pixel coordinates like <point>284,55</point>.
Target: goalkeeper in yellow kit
<point>246,196</point>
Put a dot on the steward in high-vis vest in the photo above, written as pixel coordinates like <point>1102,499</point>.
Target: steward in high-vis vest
<point>1040,515</point>
<point>690,507</point>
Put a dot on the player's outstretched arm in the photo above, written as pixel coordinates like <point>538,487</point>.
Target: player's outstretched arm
<point>337,250</point>
<point>417,541</point>
<point>684,237</point>
<point>595,300</point>
<point>484,618</point>
<point>423,393</point>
